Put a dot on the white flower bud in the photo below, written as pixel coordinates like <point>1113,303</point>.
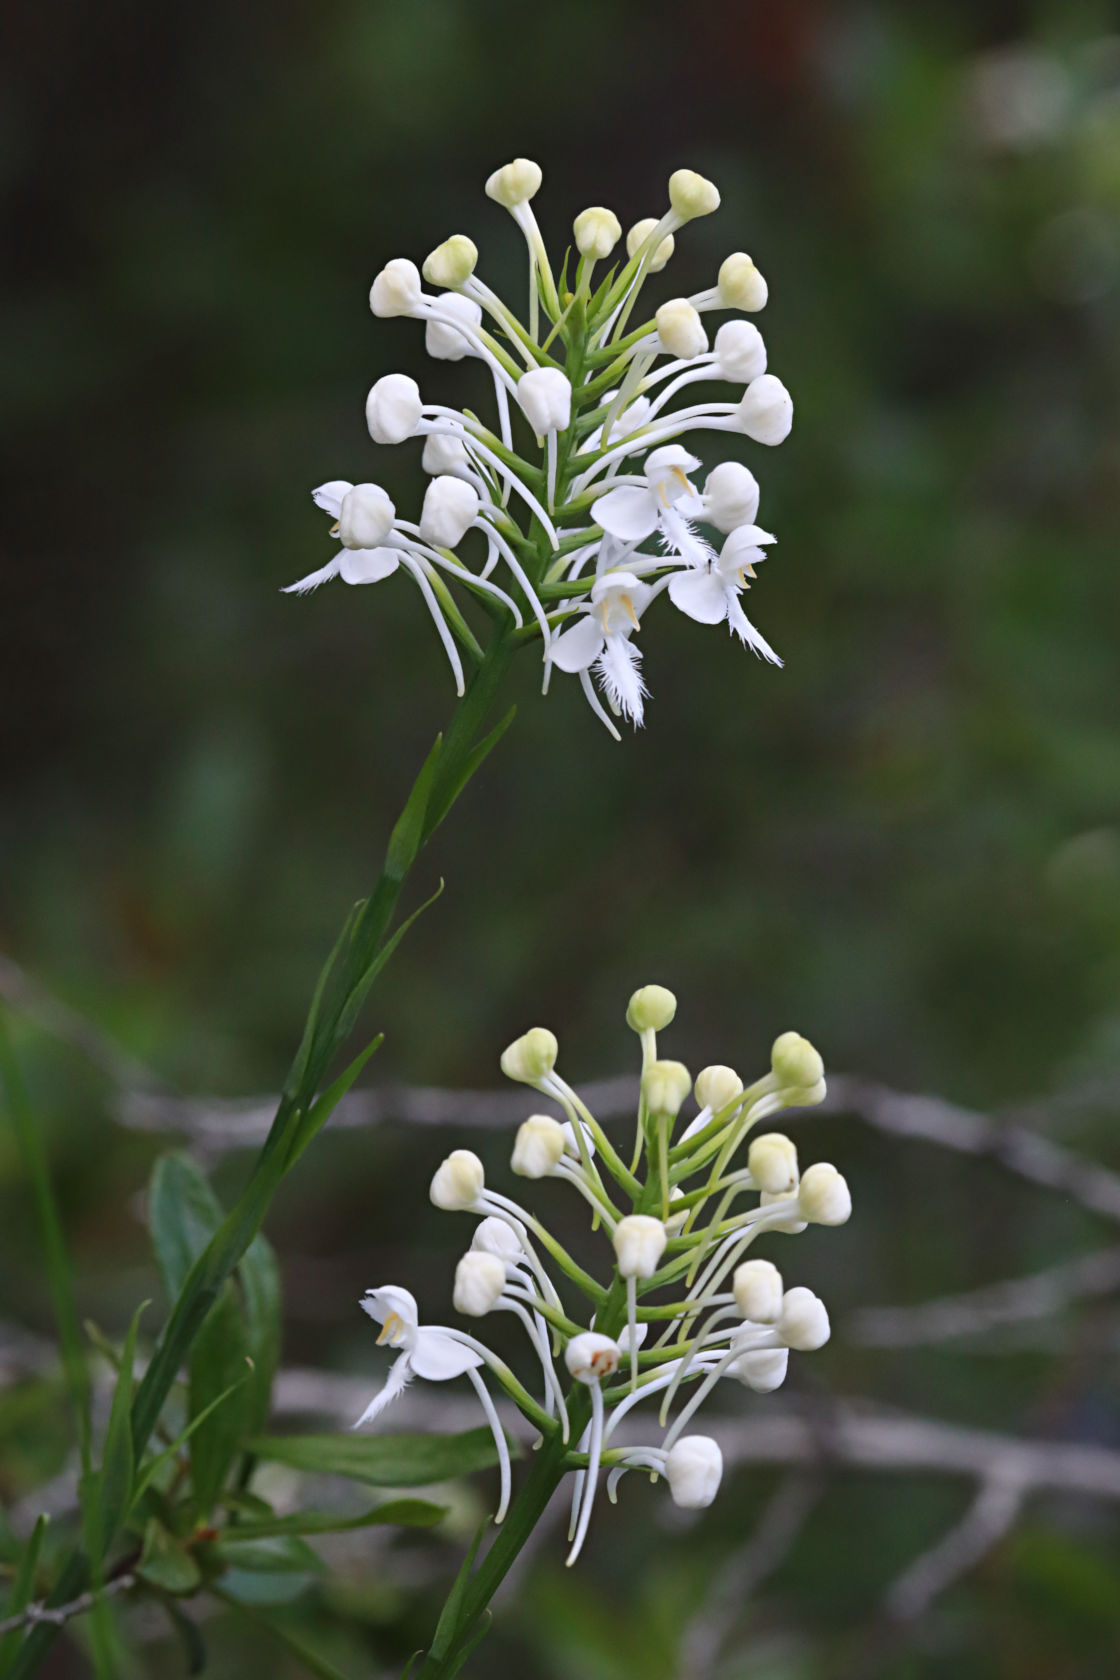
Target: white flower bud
<point>716,1086</point>
<point>680,329</point>
<point>740,285</point>
<point>757,1287</point>
<point>397,289</point>
<point>823,1197</point>
<point>459,1181</point>
<point>772,1162</point>
<point>691,195</point>
<point>675,1223</point>
<point>545,395</point>
<point>650,1009</point>
<point>538,1146</point>
<point>450,509</point>
<point>479,1281</point>
<point>693,1470</point>
<point>766,410</point>
<point>763,1369</point>
<point>665,1085</point>
<point>795,1062</point>
<point>494,1236</point>
<point>451,263</point>
<point>514,183</point>
<point>571,1142</point>
<point>590,1356</point>
<point>639,1243</point>
<point>638,235</point>
<point>365,517</point>
<point>597,232</point>
<point>443,454</point>
<point>448,344</point>
<point>804,1322</point>
<point>740,351</point>
<point>791,1226</point>
<point>531,1057</point>
<point>393,408</point>
<point>730,496</point>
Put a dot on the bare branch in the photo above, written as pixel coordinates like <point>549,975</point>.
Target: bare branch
<point>57,1614</point>
<point>977,1311</point>
<point>987,1520</point>
<point>779,1526</point>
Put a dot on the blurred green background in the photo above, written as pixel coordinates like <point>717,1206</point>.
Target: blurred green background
<point>906,843</point>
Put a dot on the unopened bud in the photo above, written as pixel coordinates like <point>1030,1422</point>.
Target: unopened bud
<point>740,285</point>
<point>538,1146</point>
<point>365,517</point>
<point>545,395</point>
<point>590,1356</point>
<point>446,343</point>
<point>772,1162</point>
<point>804,1322</point>
<point>571,1142</point>
<point>766,410</point>
<point>730,496</point>
<point>691,195</point>
<point>514,183</point>
<point>459,1181</point>
<point>397,289</point>
<point>479,1281</point>
<point>531,1057</point>
<point>597,232</point>
<point>693,1470</point>
<point>791,1226</point>
<point>639,1243</point>
<point>762,1369</point>
<point>823,1197</point>
<point>650,1009</point>
<point>757,1287</point>
<point>680,329</point>
<point>450,509</point>
<point>452,262</point>
<point>443,454</point>
<point>665,1085</point>
<point>494,1236</point>
<point>393,408</point>
<point>794,1060</point>
<point>637,237</point>
<point>740,351</point>
<point>716,1086</point>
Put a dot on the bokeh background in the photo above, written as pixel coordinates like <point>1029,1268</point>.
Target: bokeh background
<point>906,843</point>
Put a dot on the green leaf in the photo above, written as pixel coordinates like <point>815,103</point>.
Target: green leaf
<point>360,990</point>
<point>261,1298</point>
<point>447,1628</point>
<point>311,1659</point>
<point>107,1492</point>
<point>311,1025</point>
<point>474,1638</point>
<point>151,1469</point>
<point>324,1106</point>
<point>407,836</point>
<point>23,1591</point>
<point>278,1554</point>
<point>218,1367</point>
<point>447,796</point>
<point>408,1513</point>
<point>384,1460</point>
<point>183,1214</point>
<point>166,1563</point>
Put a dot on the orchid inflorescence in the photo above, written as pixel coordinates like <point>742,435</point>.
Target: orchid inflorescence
<point>604,475</point>
<point>683,1308</point>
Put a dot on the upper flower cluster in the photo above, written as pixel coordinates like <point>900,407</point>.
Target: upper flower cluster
<point>581,469</point>
<point>682,1307</point>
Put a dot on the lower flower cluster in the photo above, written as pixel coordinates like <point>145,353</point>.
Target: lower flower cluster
<point>684,1306</point>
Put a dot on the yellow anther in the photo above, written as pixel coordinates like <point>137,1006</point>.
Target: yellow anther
<point>391,1328</point>
<point>629,605</point>
<point>335,529</point>
<point>603,614</point>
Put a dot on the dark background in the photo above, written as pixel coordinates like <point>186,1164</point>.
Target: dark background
<point>905,843</point>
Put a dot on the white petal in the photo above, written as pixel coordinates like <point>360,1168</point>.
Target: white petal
<point>368,565</point>
<point>578,647</point>
<point>438,1356</point>
<point>400,1374</point>
<point>329,496</point>
<point>747,633</point>
<point>701,595</point>
<point>619,671</point>
<point>628,512</point>
<point>379,1303</point>
<point>314,579</point>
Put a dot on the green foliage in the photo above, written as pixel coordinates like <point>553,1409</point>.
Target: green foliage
<point>383,1460</point>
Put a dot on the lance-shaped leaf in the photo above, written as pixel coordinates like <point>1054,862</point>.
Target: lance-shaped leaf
<point>382,1460</point>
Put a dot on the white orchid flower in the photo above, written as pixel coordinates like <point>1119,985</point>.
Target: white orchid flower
<point>600,641</point>
<point>709,591</point>
<point>668,503</point>
<point>434,1353</point>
